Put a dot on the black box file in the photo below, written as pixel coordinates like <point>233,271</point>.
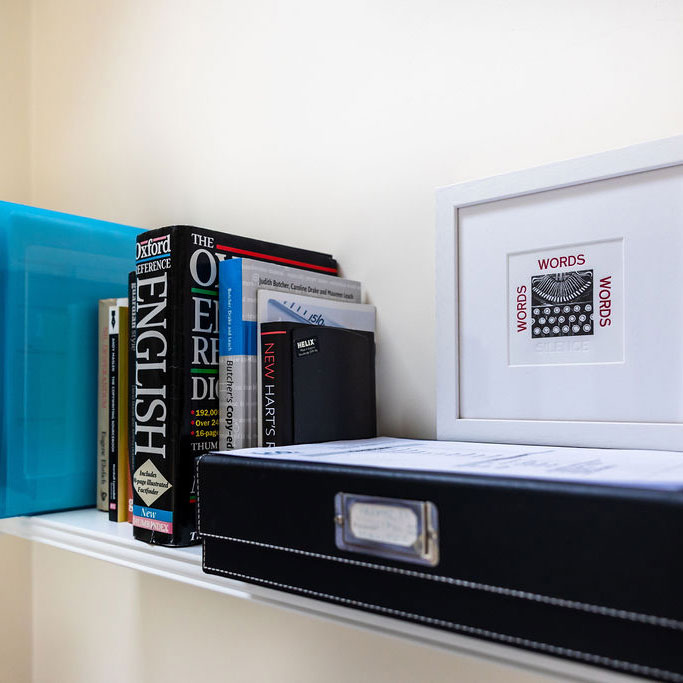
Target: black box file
<point>560,551</point>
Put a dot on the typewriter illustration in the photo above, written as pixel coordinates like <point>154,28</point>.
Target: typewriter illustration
<point>562,304</point>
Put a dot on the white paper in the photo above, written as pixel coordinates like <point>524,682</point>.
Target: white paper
<point>638,469</point>
<point>628,368</point>
<point>275,306</point>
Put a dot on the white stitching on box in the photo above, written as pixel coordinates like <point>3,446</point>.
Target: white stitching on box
<point>463,583</point>
<point>474,631</point>
<point>199,504</point>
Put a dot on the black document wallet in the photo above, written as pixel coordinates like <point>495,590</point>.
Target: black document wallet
<point>316,383</point>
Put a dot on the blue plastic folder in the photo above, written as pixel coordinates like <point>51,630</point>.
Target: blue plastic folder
<point>53,270</point>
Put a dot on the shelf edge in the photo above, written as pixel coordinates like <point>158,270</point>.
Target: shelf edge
<point>181,566</point>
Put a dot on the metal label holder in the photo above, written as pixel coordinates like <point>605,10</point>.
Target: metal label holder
<point>392,528</point>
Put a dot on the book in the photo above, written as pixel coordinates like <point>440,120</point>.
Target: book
<point>240,279</point>
<point>103,417</point>
<point>317,383</point>
<point>132,318</point>
<point>118,411</point>
<point>176,405</point>
<point>274,306</point>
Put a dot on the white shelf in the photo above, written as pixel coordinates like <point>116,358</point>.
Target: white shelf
<point>88,532</point>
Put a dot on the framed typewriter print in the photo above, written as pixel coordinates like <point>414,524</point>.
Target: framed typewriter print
<point>560,303</point>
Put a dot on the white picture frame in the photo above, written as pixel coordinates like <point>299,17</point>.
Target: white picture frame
<point>453,421</point>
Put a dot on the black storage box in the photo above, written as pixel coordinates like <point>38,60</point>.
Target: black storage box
<point>588,571</point>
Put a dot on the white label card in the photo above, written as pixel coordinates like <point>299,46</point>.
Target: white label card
<point>384,523</point>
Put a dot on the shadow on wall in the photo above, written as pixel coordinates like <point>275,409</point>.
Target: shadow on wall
<point>16,609</point>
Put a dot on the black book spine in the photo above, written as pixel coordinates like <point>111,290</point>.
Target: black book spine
<point>132,314</point>
<point>176,405</point>
<point>113,412</point>
<point>277,427</point>
<point>158,258</point>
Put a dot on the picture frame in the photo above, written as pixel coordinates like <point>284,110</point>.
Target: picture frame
<point>615,217</point>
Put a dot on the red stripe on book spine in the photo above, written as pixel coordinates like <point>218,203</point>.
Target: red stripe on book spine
<point>277,259</point>
<point>263,334</point>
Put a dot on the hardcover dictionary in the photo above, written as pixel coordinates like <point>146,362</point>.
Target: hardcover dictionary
<point>176,405</point>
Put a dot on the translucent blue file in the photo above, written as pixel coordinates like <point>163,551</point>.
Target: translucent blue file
<point>53,269</point>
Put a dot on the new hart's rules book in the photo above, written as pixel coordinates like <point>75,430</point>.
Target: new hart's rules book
<point>176,405</point>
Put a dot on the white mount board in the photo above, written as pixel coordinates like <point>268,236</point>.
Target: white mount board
<point>560,303</point>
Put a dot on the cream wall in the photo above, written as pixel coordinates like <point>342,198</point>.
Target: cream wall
<point>167,632</point>
<point>15,610</point>
<point>329,125</point>
<point>15,47</point>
